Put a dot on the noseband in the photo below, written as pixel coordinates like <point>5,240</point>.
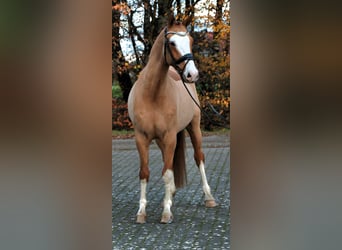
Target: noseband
<point>175,63</point>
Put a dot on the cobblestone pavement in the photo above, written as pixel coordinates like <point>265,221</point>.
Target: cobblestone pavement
<point>193,226</point>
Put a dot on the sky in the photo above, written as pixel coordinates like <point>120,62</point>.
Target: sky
<point>126,43</point>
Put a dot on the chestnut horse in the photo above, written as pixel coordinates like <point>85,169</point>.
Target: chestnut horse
<point>161,108</point>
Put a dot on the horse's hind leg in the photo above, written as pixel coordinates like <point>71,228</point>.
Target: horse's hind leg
<point>196,139</point>
<point>143,146</point>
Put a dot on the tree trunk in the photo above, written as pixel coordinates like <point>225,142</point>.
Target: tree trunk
<point>187,6</point>
<point>190,10</point>
<point>179,6</point>
<point>164,9</point>
<point>119,70</point>
<point>148,15</point>
<point>217,22</point>
<point>219,6</point>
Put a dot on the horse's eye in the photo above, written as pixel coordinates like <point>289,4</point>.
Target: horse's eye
<point>172,44</point>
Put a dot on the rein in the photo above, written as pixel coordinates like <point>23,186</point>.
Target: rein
<point>224,125</point>
<point>187,58</point>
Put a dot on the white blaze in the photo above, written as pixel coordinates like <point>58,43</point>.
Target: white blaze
<point>183,46</point>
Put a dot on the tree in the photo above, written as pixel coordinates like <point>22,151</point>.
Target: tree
<point>211,51</point>
<point>210,48</point>
<point>120,69</point>
<point>218,14</point>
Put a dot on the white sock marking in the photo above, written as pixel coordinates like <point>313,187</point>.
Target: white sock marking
<point>206,187</point>
<point>169,189</point>
<point>143,201</point>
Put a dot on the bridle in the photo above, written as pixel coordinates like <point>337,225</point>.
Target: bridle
<point>175,63</point>
<point>187,58</point>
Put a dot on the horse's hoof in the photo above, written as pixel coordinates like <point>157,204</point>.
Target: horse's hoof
<point>141,218</point>
<point>210,203</point>
<point>166,219</point>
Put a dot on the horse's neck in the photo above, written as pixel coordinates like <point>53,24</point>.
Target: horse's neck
<point>156,68</point>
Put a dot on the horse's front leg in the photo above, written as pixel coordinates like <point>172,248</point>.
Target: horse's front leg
<point>168,146</point>
<point>196,140</point>
<point>143,146</point>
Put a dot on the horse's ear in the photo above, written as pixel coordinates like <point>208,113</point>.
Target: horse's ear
<point>187,20</point>
<point>171,20</point>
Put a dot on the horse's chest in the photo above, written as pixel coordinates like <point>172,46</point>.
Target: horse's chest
<point>156,113</point>
<point>152,117</point>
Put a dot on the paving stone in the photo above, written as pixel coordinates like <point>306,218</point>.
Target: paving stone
<point>194,226</point>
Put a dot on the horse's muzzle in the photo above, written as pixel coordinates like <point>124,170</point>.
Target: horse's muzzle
<point>190,73</point>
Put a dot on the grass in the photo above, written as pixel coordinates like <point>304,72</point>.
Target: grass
<point>221,131</point>
<point>123,134</point>
<point>116,91</point>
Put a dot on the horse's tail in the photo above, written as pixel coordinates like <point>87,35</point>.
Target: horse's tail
<point>179,167</point>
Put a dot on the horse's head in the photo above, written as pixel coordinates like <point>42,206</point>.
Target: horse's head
<point>178,49</point>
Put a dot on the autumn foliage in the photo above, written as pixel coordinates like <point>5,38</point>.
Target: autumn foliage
<point>212,54</point>
<point>211,51</point>
<point>120,119</point>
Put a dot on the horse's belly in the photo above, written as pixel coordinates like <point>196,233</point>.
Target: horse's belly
<point>185,116</point>
<point>186,107</point>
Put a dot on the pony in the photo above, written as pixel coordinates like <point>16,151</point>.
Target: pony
<point>161,109</point>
